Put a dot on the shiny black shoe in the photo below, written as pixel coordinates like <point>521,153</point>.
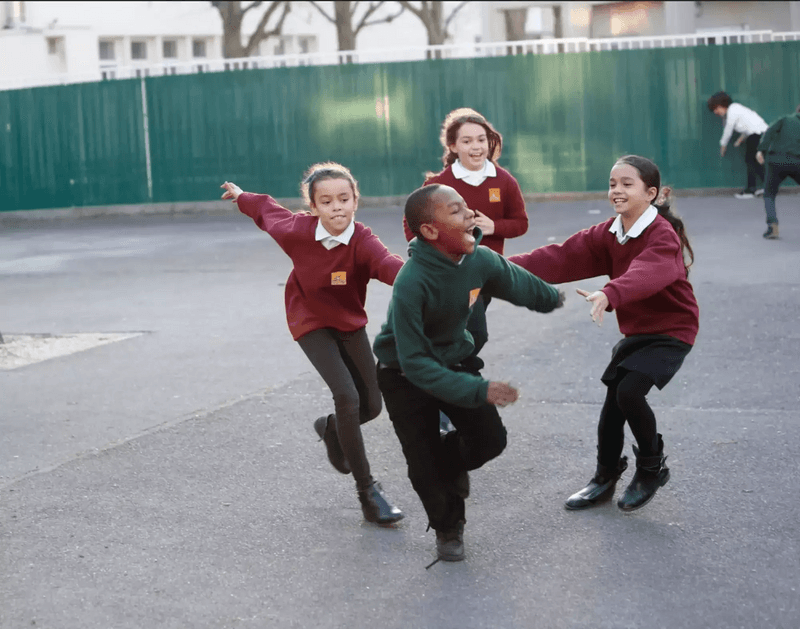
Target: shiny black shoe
<point>651,474</point>
<point>335,454</point>
<point>376,507</point>
<point>450,543</point>
<point>599,489</point>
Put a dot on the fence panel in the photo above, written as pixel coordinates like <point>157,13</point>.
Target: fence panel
<point>72,145</point>
<point>565,119</point>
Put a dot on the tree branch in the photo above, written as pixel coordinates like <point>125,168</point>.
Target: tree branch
<point>259,35</point>
<point>321,10</point>
<point>420,13</point>
<point>453,14</point>
<point>252,5</point>
<point>388,19</point>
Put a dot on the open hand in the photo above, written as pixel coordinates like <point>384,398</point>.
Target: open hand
<point>484,222</point>
<point>232,191</point>
<point>760,158</point>
<point>599,303</point>
<point>501,394</point>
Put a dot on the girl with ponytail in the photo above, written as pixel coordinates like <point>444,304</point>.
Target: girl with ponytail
<point>646,253</point>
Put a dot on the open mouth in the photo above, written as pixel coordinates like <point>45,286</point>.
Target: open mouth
<point>470,231</point>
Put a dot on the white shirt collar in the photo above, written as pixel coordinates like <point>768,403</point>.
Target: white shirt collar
<point>474,177</point>
<point>328,241</point>
<point>638,227</point>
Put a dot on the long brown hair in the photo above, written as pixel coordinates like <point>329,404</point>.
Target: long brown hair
<point>449,133</point>
<point>651,177</point>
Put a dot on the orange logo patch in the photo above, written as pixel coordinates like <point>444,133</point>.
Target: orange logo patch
<point>339,278</point>
<point>473,296</point>
<point>494,195</point>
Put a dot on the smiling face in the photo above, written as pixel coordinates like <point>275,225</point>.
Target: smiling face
<point>335,203</point>
<point>471,146</point>
<point>628,194</point>
<point>452,224</point>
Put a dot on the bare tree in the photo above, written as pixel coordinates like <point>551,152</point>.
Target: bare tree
<point>515,23</point>
<point>233,13</point>
<point>515,27</point>
<point>431,14</point>
<point>347,26</point>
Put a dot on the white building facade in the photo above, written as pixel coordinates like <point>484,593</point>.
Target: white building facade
<point>65,42</point>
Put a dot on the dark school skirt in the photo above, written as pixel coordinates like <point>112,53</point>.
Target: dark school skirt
<point>655,355</point>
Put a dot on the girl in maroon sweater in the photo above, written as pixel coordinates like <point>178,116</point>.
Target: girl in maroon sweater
<point>645,252</point>
<point>472,147</point>
<point>334,257</point>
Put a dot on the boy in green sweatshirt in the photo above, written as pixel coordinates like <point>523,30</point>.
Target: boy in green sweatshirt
<point>780,148</point>
<point>421,347</point>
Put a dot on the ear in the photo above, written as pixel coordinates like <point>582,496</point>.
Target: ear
<point>314,210</point>
<point>428,231</point>
<point>452,148</point>
<point>653,193</point>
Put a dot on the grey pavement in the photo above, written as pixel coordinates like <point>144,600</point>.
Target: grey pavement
<point>174,479</point>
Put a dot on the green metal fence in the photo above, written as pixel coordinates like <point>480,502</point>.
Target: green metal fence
<point>564,118</point>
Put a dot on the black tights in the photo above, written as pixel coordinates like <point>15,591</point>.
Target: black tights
<point>346,364</point>
<point>626,401</point>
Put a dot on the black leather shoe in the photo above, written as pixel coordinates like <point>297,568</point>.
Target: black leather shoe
<point>335,454</point>
<point>450,543</point>
<point>651,474</point>
<point>599,489</point>
<point>376,507</point>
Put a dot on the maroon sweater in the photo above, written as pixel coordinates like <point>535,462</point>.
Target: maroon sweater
<point>498,197</point>
<point>648,286</point>
<point>326,288</point>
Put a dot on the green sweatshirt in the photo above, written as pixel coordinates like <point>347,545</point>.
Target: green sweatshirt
<point>425,331</point>
<point>782,138</point>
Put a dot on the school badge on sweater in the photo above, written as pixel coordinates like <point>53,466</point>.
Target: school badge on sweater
<point>339,278</point>
<point>473,296</point>
<point>494,195</point>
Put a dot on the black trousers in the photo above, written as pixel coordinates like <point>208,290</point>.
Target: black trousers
<point>754,169</point>
<point>433,462</point>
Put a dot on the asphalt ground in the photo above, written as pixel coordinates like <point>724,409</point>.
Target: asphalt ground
<point>174,479</point>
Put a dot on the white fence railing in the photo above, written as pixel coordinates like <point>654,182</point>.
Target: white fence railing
<point>111,71</point>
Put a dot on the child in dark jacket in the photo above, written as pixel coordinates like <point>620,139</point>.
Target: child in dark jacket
<point>422,346</point>
<point>643,251</point>
<point>334,258</point>
<point>472,147</point>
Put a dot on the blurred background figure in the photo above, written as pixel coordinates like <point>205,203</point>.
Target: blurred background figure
<point>750,125</point>
<point>781,146</point>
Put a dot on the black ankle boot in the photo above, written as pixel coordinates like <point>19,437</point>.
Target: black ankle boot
<point>376,507</point>
<point>600,488</point>
<point>651,473</point>
<point>335,454</point>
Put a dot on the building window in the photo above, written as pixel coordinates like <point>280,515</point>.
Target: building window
<point>53,45</point>
<point>138,50</point>
<point>307,44</point>
<point>170,49</point>
<point>280,48</point>
<point>106,50</point>
<point>199,48</point>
